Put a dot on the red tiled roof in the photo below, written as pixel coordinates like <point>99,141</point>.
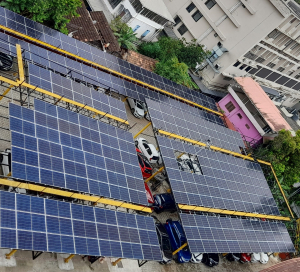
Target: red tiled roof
<point>105,32</point>
<point>292,265</point>
<point>141,60</point>
<point>83,27</point>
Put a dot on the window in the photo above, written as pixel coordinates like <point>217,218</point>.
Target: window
<point>297,76</point>
<point>227,78</point>
<point>274,34</point>
<point>240,116</point>
<point>177,20</point>
<point>251,56</point>
<point>114,3</point>
<point>247,126</point>
<point>182,29</point>
<point>197,16</point>
<point>190,7</point>
<point>136,28</point>
<point>260,60</point>
<point>271,64</point>
<point>280,69</point>
<point>236,64</point>
<point>229,106</point>
<point>145,34</point>
<point>243,66</point>
<point>248,68</point>
<point>210,3</point>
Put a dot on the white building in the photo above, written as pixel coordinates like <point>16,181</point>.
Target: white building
<point>146,17</point>
<point>258,38</point>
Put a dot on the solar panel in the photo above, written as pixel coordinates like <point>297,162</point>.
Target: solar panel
<point>57,39</point>
<point>227,182</point>
<point>75,91</point>
<point>210,234</point>
<point>61,148</point>
<point>38,224</point>
<point>188,125</point>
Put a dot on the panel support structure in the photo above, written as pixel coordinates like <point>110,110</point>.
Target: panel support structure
<point>36,254</point>
<point>20,63</point>
<point>66,260</point>
<point>180,248</point>
<point>142,262</point>
<point>116,261</point>
<point>157,172</point>
<point>6,92</point>
<point>142,130</point>
<point>8,255</point>
<point>282,192</point>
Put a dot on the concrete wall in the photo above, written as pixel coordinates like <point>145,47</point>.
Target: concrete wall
<point>251,135</point>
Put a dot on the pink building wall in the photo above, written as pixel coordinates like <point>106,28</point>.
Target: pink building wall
<point>250,135</point>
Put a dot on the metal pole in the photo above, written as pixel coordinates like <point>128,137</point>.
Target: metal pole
<point>180,248</point>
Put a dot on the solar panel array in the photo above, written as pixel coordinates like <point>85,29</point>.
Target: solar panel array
<point>227,182</point>
<point>38,224</point>
<point>28,27</point>
<point>61,148</point>
<point>174,120</point>
<point>70,89</point>
<point>208,234</point>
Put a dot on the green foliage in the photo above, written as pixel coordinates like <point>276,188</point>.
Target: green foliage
<point>186,52</point>
<point>175,71</point>
<point>125,35</point>
<point>54,13</point>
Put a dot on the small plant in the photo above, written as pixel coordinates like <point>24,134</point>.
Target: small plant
<point>125,35</point>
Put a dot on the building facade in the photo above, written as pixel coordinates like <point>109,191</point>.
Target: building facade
<point>258,38</point>
<point>146,18</point>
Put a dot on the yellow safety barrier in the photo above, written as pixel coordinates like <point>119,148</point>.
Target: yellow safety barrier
<point>142,130</point>
<point>157,172</point>
<point>6,92</point>
<point>59,192</point>
<point>116,262</point>
<point>20,63</point>
<point>239,213</point>
<point>44,44</point>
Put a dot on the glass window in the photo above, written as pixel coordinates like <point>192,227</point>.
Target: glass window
<point>247,126</point>
<point>145,33</point>
<point>240,116</point>
<point>136,28</point>
<point>182,29</point>
<point>229,106</point>
<point>197,16</point>
<point>177,20</point>
<point>190,7</point>
<point>236,64</point>
<point>242,67</point>
<point>210,3</point>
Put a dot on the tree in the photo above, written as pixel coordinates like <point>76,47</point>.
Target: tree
<point>186,52</point>
<point>54,13</point>
<point>175,71</point>
<point>125,35</point>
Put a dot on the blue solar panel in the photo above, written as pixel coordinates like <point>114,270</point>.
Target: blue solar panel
<point>174,120</point>
<point>209,234</point>
<point>68,150</point>
<point>93,54</point>
<point>227,182</point>
<point>89,231</point>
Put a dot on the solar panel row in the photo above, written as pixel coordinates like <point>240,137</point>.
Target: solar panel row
<point>227,182</point>
<point>57,147</point>
<point>38,224</point>
<point>57,39</point>
<point>67,88</point>
<point>210,234</point>
<point>78,71</point>
<point>174,120</point>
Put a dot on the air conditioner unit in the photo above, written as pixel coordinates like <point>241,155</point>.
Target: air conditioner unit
<point>218,66</point>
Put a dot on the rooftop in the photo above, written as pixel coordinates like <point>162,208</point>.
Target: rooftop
<point>263,104</point>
